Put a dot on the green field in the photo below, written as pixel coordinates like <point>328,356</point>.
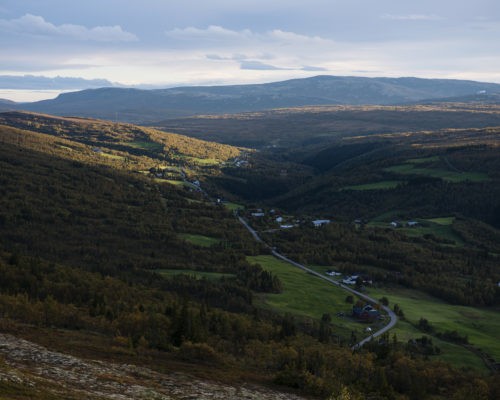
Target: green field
<point>64,147</point>
<point>374,186</point>
<point>113,156</point>
<point>456,355</point>
<point>423,160</point>
<point>307,296</point>
<point>442,220</point>
<point>197,274</point>
<point>386,217</point>
<point>442,231</point>
<point>202,161</point>
<point>199,240</point>
<point>233,206</point>
<point>440,227</point>
<point>152,146</point>
<point>481,326</point>
<point>176,183</point>
<point>450,176</point>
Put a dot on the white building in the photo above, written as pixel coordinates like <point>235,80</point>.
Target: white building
<point>320,222</point>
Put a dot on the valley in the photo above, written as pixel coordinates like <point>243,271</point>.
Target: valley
<point>249,200</point>
<point>130,233</point>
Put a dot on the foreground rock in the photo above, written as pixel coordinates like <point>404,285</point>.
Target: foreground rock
<point>29,365</point>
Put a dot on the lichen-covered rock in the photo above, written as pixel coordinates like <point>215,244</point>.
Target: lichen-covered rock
<point>28,364</point>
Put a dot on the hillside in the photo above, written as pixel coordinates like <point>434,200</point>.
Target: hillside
<point>140,106</point>
<point>107,262</point>
<point>459,166</point>
<point>125,137</point>
<point>317,126</point>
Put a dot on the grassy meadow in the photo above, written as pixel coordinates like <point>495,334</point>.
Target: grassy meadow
<point>450,176</point>
<point>375,186</point>
<point>441,227</point>
<point>197,274</point>
<point>307,296</point>
<point>199,240</point>
<point>481,326</point>
<point>233,206</point>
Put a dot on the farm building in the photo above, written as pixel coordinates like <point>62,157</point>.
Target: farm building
<point>366,312</point>
<point>320,222</point>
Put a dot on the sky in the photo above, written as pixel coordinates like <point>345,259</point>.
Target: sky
<point>198,42</point>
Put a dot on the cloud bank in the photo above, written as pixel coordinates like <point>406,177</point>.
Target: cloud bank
<point>413,17</point>
<point>34,25</point>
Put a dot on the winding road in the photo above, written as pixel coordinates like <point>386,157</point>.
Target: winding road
<point>390,313</point>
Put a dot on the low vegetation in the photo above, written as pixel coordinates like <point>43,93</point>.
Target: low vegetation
<point>97,247</point>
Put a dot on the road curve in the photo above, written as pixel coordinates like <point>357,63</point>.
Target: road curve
<point>392,315</point>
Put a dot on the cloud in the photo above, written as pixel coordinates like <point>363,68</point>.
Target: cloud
<point>213,32</point>
<point>252,63</point>
<point>313,68</point>
<point>34,25</point>
<point>412,17</point>
<point>292,37</point>
<point>234,57</point>
<point>259,66</point>
<point>218,34</point>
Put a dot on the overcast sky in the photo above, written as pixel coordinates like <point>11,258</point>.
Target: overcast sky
<point>172,42</point>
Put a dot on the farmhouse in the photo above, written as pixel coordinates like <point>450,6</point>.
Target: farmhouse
<point>350,280</point>
<point>320,222</point>
<point>366,312</point>
<point>412,223</point>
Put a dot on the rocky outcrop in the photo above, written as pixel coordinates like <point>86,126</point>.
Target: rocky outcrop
<point>30,365</point>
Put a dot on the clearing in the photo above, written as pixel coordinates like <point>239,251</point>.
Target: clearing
<point>375,185</point>
<point>199,240</point>
<point>480,325</point>
<point>307,296</point>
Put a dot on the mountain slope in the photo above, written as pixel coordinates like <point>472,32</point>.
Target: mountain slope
<point>98,261</point>
<point>120,137</point>
<point>306,126</point>
<point>133,105</point>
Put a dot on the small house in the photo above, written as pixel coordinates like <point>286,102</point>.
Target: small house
<point>366,312</point>
<point>412,223</point>
<point>320,222</point>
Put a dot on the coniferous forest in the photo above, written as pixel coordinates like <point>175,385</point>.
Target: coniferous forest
<point>124,242</point>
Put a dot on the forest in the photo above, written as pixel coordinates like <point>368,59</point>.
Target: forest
<point>85,241</point>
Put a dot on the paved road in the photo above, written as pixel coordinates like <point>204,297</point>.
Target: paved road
<point>250,229</point>
<point>390,313</point>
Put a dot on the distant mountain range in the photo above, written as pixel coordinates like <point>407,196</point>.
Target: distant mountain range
<point>32,82</point>
<point>140,106</point>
